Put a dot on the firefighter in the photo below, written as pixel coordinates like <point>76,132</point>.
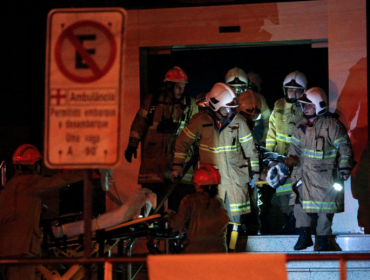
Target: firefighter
<point>225,142</point>
<point>324,152</point>
<point>251,109</point>
<point>283,119</point>
<point>156,125</point>
<point>20,209</point>
<point>255,81</point>
<point>203,214</point>
<point>258,123</point>
<point>238,80</point>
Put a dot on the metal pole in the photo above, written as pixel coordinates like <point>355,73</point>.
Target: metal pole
<point>35,261</point>
<point>87,220</point>
<point>129,254</point>
<point>166,242</point>
<point>343,269</point>
<point>108,271</point>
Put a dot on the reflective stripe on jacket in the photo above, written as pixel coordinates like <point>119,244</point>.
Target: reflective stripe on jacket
<point>283,120</point>
<point>323,149</point>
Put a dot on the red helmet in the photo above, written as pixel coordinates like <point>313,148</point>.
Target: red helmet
<point>176,75</point>
<point>206,175</point>
<point>26,154</point>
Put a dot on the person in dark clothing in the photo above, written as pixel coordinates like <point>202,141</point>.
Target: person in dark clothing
<point>203,215</point>
<point>20,210</point>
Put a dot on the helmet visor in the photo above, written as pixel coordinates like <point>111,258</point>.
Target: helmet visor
<point>304,99</point>
<point>253,114</point>
<point>233,104</point>
<point>238,88</point>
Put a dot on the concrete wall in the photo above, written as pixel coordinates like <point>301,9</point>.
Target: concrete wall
<point>348,96</point>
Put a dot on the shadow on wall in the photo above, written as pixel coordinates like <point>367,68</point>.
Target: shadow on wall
<point>352,107</point>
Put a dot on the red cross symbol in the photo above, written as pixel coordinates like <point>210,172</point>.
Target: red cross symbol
<point>59,96</point>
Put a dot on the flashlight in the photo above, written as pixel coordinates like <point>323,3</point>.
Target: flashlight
<point>338,187</point>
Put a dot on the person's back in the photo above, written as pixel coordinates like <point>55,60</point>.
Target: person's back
<point>206,221</point>
<point>203,215</point>
<point>19,208</point>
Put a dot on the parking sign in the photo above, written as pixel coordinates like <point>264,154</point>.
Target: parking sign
<point>83,87</point>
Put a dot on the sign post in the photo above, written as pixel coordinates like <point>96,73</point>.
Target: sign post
<point>83,88</point>
<point>83,95</point>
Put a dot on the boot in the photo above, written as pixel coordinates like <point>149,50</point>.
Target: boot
<point>289,226</point>
<point>322,243</point>
<point>304,239</point>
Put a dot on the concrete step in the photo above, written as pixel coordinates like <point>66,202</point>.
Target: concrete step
<point>327,270</point>
<point>315,270</point>
<point>285,243</point>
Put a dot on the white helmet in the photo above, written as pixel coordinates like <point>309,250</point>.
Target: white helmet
<point>237,79</point>
<point>221,95</point>
<point>316,96</point>
<point>294,80</point>
<point>255,81</point>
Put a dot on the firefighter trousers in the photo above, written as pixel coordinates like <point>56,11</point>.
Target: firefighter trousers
<point>321,221</point>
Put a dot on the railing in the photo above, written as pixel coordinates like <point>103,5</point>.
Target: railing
<point>342,258</point>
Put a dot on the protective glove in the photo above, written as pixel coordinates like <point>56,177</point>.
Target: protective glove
<point>131,150</point>
<point>344,175</point>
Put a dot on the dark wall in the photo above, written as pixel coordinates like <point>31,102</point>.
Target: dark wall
<point>207,67</point>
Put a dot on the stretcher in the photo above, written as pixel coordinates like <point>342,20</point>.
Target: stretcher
<point>151,227</point>
<point>116,232</point>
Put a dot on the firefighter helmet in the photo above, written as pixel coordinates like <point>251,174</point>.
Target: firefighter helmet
<point>26,154</point>
<point>221,95</point>
<point>295,80</point>
<point>176,75</point>
<point>237,79</point>
<point>316,96</point>
<point>250,103</point>
<point>206,175</point>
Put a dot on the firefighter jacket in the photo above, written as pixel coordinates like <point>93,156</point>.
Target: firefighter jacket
<point>20,210</point>
<point>283,120</point>
<point>261,126</point>
<point>157,125</point>
<point>205,220</point>
<point>230,149</point>
<point>323,149</point>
